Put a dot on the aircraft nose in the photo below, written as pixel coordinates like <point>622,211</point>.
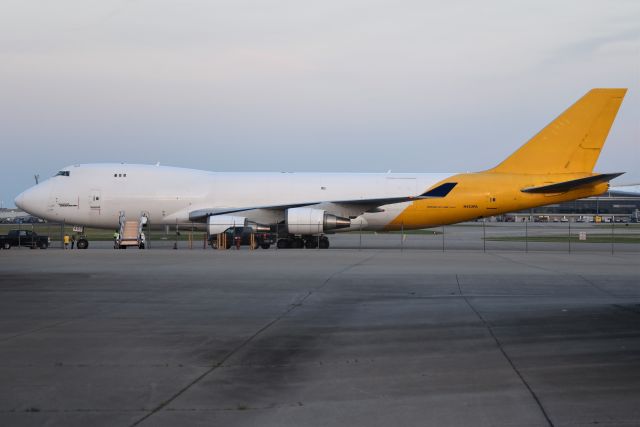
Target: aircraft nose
<point>32,200</point>
<point>19,200</point>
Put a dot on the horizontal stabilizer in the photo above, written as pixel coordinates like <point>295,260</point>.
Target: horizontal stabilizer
<point>561,187</point>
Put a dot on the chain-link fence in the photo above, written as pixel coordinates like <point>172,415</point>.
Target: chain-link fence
<point>524,236</point>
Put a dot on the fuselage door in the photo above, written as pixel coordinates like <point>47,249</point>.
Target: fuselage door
<point>492,202</point>
<point>94,199</point>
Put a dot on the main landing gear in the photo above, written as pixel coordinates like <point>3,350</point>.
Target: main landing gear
<point>309,242</point>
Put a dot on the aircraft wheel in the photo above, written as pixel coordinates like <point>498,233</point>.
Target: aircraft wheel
<point>283,244</point>
<point>324,243</point>
<point>82,244</point>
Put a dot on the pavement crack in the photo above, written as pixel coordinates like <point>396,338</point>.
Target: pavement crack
<point>563,273</point>
<point>596,287</point>
<point>526,264</point>
<point>35,330</point>
<point>505,355</point>
<point>248,340</point>
<point>34,409</point>
<point>88,315</point>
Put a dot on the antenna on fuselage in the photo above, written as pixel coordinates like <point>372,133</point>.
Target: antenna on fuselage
<point>37,178</point>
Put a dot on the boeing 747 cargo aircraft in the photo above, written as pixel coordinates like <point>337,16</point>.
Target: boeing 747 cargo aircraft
<point>554,166</point>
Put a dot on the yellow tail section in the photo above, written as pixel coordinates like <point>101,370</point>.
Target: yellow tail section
<point>572,142</point>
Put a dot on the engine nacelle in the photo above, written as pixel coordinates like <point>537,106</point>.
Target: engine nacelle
<point>313,221</point>
<point>220,223</point>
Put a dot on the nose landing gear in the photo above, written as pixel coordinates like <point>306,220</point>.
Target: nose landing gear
<point>82,243</point>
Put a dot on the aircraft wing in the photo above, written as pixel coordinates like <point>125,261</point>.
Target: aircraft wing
<point>357,205</point>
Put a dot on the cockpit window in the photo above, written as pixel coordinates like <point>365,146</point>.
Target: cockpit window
<point>63,173</point>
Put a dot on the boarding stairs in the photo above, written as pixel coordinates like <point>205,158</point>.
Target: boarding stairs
<point>131,232</point>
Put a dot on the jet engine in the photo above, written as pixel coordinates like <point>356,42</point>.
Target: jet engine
<point>313,221</point>
<point>220,223</point>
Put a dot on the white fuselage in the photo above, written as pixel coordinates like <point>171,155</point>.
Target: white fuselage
<point>95,194</point>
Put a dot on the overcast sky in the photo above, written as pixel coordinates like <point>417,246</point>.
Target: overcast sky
<point>363,86</point>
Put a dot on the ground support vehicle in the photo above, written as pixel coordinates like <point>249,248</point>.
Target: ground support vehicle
<point>243,236</point>
<point>25,238</point>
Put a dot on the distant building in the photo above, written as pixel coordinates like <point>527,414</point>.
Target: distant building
<point>619,203</point>
<point>13,216</point>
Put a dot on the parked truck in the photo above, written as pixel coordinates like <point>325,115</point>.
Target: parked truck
<point>242,235</point>
<point>26,238</point>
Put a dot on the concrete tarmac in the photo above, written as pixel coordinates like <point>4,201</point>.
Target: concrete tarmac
<point>315,338</point>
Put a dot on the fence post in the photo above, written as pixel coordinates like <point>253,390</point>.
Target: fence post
<point>443,238</point>
<point>569,235</point>
<point>526,236</point>
<point>613,223</point>
<point>484,236</point>
<point>401,236</point>
<point>175,246</point>
<point>235,235</point>
<point>360,244</point>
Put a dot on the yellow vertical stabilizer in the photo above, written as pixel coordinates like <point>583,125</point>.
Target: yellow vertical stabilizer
<point>572,142</point>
